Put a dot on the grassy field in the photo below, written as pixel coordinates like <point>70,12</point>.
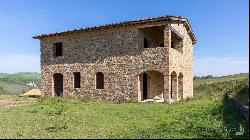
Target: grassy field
<point>203,117</point>
<point>15,84</point>
<point>64,118</point>
<point>207,115</point>
<point>235,85</point>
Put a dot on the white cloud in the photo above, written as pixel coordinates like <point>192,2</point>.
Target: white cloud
<point>19,63</point>
<point>219,66</point>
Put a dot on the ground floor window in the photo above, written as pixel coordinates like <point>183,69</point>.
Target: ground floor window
<point>77,80</point>
<point>99,80</point>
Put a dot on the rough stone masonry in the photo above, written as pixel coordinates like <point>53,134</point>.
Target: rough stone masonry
<point>128,61</point>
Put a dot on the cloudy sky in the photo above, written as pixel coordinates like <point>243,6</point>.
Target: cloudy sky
<point>221,27</point>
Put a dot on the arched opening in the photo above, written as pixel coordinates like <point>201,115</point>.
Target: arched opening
<point>173,90</point>
<point>99,80</point>
<point>151,85</point>
<point>58,84</point>
<point>180,86</point>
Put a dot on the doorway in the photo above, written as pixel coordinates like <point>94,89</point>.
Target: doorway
<point>58,84</point>
<point>151,85</point>
<point>145,86</point>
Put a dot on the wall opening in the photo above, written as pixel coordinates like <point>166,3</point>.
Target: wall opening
<point>57,48</point>
<point>152,86</point>
<point>99,80</point>
<point>173,90</point>
<point>152,37</point>
<point>176,42</point>
<point>58,84</point>
<point>162,44</point>
<point>180,86</point>
<point>77,80</point>
<point>145,43</point>
<point>145,86</point>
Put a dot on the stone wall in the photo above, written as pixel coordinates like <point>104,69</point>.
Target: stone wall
<point>119,54</point>
<point>183,62</point>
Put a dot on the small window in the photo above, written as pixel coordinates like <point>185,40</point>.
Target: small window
<point>99,80</point>
<point>58,49</point>
<point>145,43</point>
<point>77,80</point>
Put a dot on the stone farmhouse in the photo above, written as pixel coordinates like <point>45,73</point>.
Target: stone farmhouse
<point>128,61</point>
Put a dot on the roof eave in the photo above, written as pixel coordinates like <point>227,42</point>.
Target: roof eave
<point>126,23</point>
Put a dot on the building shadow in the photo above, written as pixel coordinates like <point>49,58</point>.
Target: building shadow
<point>235,126</point>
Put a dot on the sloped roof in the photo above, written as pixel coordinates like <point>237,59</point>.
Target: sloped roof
<point>126,23</point>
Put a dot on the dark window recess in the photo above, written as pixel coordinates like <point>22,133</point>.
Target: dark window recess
<point>58,49</point>
<point>171,89</point>
<point>162,45</point>
<point>145,86</point>
<point>145,43</point>
<point>77,79</point>
<point>172,45</point>
<point>58,84</point>
<point>99,80</point>
<point>176,42</point>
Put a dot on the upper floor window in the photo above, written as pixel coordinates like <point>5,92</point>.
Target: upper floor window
<point>77,80</point>
<point>176,42</point>
<point>145,43</point>
<point>57,48</point>
<point>99,80</point>
<point>162,44</point>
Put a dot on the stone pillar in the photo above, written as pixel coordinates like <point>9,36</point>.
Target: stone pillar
<point>166,90</point>
<point>139,86</point>
<point>167,75</point>
<point>167,37</point>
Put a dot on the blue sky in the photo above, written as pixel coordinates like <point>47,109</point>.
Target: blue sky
<point>221,27</point>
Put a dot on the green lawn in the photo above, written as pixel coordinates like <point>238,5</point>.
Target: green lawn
<point>67,118</point>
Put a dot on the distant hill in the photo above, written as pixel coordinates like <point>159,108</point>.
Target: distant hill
<point>236,85</point>
<point>16,84</point>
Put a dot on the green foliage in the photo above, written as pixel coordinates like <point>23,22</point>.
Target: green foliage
<point>3,91</point>
<point>232,122</point>
<point>220,79</point>
<point>20,78</point>
<point>216,87</point>
<point>242,94</point>
<point>58,111</point>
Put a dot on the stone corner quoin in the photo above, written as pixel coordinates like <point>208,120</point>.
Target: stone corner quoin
<point>148,59</point>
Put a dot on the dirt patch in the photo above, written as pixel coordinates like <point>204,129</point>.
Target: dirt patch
<point>13,102</point>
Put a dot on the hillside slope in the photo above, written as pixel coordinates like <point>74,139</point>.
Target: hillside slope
<point>16,84</point>
<point>236,85</point>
